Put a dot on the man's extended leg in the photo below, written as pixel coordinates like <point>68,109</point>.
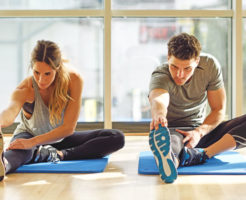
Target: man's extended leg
<point>160,144</point>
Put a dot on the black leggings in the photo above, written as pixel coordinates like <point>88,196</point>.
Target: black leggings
<point>235,127</point>
<point>80,145</point>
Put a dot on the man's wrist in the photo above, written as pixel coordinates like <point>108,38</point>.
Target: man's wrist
<point>202,130</point>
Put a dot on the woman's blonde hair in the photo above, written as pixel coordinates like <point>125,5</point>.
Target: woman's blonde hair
<point>49,52</point>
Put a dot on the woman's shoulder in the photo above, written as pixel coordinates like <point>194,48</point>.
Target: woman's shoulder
<point>26,83</point>
<point>24,90</point>
<point>76,81</point>
<point>75,75</point>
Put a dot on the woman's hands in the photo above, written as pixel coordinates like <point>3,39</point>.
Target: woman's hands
<point>22,143</point>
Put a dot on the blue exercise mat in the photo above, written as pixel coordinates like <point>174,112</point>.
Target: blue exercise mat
<point>73,166</point>
<point>227,163</point>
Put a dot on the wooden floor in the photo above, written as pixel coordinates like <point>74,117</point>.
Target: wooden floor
<point>121,181</point>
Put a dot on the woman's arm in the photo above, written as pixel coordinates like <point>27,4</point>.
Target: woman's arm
<point>69,123</point>
<point>18,98</point>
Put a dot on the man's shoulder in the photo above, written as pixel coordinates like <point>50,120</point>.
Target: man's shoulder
<point>207,58</point>
<point>161,72</point>
<point>161,78</point>
<point>207,61</point>
<point>162,69</point>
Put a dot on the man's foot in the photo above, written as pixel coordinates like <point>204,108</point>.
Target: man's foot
<point>2,166</point>
<point>46,153</point>
<point>192,156</point>
<point>159,142</point>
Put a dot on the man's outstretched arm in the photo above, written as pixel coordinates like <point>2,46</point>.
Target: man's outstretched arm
<point>159,101</point>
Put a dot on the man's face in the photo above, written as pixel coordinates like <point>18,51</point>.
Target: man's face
<point>182,70</point>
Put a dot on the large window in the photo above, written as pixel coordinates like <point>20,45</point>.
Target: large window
<point>140,45</point>
<point>81,43</point>
<point>116,44</point>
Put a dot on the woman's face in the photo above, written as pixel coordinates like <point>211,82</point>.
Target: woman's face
<point>43,74</point>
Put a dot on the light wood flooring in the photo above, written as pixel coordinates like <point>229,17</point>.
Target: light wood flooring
<point>121,181</point>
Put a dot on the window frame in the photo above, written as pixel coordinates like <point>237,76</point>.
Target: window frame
<point>235,13</point>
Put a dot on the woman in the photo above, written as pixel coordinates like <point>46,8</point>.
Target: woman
<point>49,102</point>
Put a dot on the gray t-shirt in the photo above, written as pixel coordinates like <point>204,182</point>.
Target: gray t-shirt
<point>187,106</point>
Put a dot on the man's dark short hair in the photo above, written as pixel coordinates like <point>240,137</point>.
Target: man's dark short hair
<point>184,46</point>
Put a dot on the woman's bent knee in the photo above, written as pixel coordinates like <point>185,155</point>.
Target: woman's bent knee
<point>119,138</point>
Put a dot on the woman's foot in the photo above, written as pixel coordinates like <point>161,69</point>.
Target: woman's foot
<point>47,153</point>
<point>2,166</point>
<point>60,154</point>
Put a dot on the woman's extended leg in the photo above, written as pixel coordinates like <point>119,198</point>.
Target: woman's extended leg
<point>15,158</point>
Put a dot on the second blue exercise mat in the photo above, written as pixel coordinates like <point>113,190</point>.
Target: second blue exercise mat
<point>227,163</point>
<point>73,166</point>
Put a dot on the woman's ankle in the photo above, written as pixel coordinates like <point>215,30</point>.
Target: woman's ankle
<point>60,154</point>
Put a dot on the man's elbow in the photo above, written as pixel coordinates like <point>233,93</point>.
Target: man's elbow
<point>221,111</point>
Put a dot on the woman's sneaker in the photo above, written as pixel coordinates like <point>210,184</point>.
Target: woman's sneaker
<point>46,153</point>
<point>192,156</point>
<point>2,166</point>
<point>160,144</point>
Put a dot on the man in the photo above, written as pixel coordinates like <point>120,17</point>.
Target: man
<point>179,92</point>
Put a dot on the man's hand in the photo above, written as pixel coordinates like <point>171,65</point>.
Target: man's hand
<point>158,119</point>
<point>191,137</point>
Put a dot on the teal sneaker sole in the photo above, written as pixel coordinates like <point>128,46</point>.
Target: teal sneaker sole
<point>159,142</point>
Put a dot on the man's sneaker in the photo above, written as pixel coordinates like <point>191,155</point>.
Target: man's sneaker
<point>160,145</point>
<point>192,156</point>
<point>46,153</point>
<point>2,166</point>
